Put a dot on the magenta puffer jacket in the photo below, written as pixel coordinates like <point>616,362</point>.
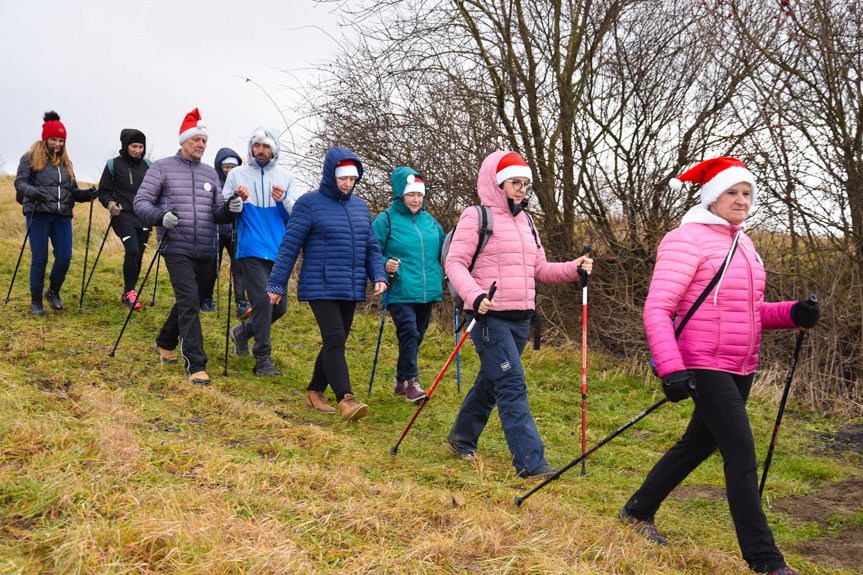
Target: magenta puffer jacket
<point>511,256</point>
<point>724,333</point>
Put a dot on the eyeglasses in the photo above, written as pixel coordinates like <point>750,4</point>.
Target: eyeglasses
<point>517,185</point>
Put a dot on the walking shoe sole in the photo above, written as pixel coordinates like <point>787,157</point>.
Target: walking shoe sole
<point>471,457</point>
<point>416,399</point>
<point>313,408</point>
<point>360,413</point>
<point>238,352</point>
<point>198,381</point>
<point>163,359</point>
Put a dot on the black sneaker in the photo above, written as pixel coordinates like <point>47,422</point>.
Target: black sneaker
<point>241,341</point>
<point>53,299</point>
<point>37,309</point>
<point>541,472</point>
<point>644,528</point>
<point>207,305</point>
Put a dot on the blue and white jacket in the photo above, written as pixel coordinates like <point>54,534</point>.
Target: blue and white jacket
<point>261,224</point>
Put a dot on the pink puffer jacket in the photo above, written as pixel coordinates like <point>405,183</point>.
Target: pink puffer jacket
<point>511,257</point>
<point>724,333</point>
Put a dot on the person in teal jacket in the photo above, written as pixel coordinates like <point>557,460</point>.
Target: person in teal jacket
<point>411,242</point>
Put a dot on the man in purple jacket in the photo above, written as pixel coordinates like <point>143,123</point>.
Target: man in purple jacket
<point>183,197</point>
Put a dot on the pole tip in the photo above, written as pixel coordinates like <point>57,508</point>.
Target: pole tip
<point>111,354</point>
<point>518,501</point>
<point>394,450</point>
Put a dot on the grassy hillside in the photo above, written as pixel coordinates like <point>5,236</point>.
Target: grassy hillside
<point>117,465</point>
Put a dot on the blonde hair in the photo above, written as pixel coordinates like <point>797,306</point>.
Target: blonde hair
<point>39,158</point>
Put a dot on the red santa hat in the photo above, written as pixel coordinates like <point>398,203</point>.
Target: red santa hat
<point>192,125</point>
<point>512,166</point>
<point>347,168</point>
<point>715,177</point>
<point>415,184</point>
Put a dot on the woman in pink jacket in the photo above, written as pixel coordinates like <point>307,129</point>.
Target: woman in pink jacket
<point>716,356</point>
<point>515,259</point>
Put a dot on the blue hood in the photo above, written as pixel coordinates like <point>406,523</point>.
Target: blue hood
<point>328,181</point>
<point>221,155</point>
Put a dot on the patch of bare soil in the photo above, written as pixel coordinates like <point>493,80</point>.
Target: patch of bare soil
<point>849,437</point>
<point>844,550</point>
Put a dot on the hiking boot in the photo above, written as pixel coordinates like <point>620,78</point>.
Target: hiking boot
<point>400,387</point>
<point>242,307</point>
<point>130,300</point>
<point>165,355</point>
<point>264,367</point>
<point>466,455</point>
<point>207,305</point>
<point>199,378</point>
<point>52,294</point>
<point>541,472</point>
<point>646,528</point>
<point>785,571</point>
<point>317,400</point>
<point>351,409</point>
<point>413,391</point>
<point>241,341</point>
<point>36,303</point>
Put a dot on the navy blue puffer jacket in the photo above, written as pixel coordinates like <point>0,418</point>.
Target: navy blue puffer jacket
<point>334,232</point>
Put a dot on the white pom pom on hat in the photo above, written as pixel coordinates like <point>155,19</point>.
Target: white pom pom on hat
<point>715,176</point>
<point>192,125</point>
<point>414,184</point>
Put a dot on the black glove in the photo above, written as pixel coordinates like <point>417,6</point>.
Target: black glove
<point>92,192</point>
<point>679,385</point>
<point>806,313</point>
<point>44,196</point>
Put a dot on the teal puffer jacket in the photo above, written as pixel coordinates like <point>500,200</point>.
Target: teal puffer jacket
<point>416,240</point>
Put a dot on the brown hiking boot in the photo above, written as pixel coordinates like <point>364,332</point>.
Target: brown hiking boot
<point>199,378</point>
<point>165,355</point>
<point>317,400</point>
<point>352,409</point>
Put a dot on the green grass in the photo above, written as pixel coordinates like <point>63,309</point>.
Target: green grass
<point>118,465</point>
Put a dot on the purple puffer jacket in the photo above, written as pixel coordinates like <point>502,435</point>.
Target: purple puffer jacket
<point>511,257</point>
<point>724,333</point>
<point>193,189</point>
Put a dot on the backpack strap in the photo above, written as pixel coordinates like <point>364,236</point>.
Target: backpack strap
<point>111,165</point>
<point>486,221</point>
<point>389,231</point>
<point>535,319</point>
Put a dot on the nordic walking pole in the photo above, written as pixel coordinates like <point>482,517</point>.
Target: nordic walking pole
<point>86,254</point>
<point>156,282</point>
<point>96,261</point>
<point>21,253</point>
<point>583,276</point>
<point>582,457</point>
<point>395,448</point>
<point>230,293</point>
<point>381,330</point>
<point>219,283</point>
<point>457,363</point>
<point>143,282</point>
<point>791,368</point>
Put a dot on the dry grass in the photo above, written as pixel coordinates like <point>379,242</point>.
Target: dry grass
<point>119,466</point>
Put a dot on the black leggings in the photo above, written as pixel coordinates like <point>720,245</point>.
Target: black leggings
<point>719,420</point>
<point>334,319</point>
<point>134,241</point>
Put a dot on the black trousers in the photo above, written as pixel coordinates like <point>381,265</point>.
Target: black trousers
<point>334,319</point>
<point>134,241</point>
<point>256,272</point>
<point>189,278</point>
<point>719,420</point>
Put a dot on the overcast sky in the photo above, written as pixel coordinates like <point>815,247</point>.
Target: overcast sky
<point>108,65</point>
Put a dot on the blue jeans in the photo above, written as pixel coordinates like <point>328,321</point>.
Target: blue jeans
<point>58,229</point>
<point>412,321</point>
<point>500,381</point>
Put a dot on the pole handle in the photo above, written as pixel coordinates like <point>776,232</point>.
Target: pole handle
<point>582,275</point>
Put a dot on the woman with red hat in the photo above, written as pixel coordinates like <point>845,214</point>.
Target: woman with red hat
<point>47,188</point>
<point>716,355</point>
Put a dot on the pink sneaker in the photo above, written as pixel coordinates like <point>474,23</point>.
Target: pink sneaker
<point>413,391</point>
<point>400,387</point>
<point>130,298</point>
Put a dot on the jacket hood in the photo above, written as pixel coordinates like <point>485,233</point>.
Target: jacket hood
<point>399,179</point>
<point>272,135</point>
<point>490,194</point>
<point>221,156</point>
<point>126,136</point>
<point>328,179</point>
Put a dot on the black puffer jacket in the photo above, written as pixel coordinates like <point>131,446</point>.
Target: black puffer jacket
<point>122,185</point>
<point>53,182</point>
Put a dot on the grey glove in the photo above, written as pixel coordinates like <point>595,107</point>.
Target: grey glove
<point>114,208</point>
<point>169,220</point>
<point>235,205</point>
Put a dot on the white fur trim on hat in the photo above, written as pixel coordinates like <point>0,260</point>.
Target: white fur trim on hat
<point>514,172</point>
<point>261,137</point>
<point>199,130</point>
<point>347,171</point>
<point>719,183</point>
<point>414,186</point>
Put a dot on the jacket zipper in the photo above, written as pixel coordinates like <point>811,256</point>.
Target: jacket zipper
<point>194,208</point>
<point>751,312</point>
<point>423,252</point>
<point>263,209</point>
<point>131,181</point>
<point>59,187</point>
<point>521,243</point>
